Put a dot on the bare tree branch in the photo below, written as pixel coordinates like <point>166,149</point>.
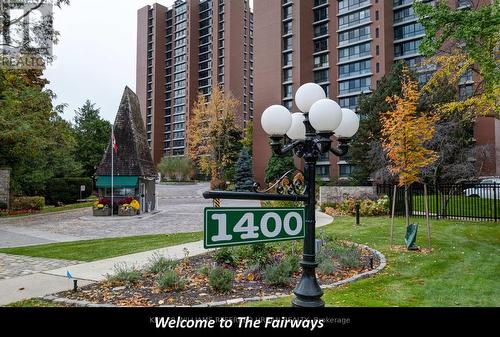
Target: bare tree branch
<point>27,13</point>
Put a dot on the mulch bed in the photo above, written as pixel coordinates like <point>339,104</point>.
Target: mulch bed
<point>197,290</point>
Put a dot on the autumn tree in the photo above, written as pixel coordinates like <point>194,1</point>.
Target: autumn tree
<point>365,149</point>
<point>247,140</point>
<point>176,168</point>
<point>405,134</point>
<point>214,140</point>
<point>457,40</point>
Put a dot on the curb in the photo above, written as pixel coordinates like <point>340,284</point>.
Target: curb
<point>143,216</point>
<point>234,301</point>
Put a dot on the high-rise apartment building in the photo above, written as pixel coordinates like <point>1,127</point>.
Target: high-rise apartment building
<point>184,50</point>
<point>345,46</point>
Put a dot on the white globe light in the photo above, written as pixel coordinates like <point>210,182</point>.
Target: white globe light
<point>307,95</point>
<point>325,115</point>
<point>298,129</point>
<point>276,120</point>
<point>349,125</point>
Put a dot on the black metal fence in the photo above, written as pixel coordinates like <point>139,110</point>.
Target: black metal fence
<point>467,201</point>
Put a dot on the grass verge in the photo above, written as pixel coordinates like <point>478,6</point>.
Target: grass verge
<point>91,250</point>
<point>462,270</point>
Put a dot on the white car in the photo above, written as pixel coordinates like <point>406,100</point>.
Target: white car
<point>485,189</point>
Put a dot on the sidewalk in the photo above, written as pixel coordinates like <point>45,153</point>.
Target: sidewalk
<point>97,270</point>
<point>53,281</point>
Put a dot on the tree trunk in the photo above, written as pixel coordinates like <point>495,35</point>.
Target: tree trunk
<point>392,217</point>
<point>407,212</point>
<point>5,29</point>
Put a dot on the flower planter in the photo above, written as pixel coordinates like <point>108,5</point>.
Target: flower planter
<point>126,212</point>
<point>102,212</point>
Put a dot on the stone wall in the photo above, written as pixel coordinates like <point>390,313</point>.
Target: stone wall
<point>334,193</point>
<point>4,186</point>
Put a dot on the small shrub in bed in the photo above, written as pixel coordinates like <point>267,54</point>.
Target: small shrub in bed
<point>159,264</point>
<point>324,258</point>
<point>293,263</point>
<point>221,279</point>
<point>348,257</point>
<point>326,266</point>
<point>204,270</point>
<point>124,273</point>
<point>260,254</point>
<point>225,255</point>
<point>171,280</point>
<point>28,203</point>
<point>277,274</point>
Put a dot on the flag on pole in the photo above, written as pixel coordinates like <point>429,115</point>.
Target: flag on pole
<point>115,149</point>
<point>115,146</point>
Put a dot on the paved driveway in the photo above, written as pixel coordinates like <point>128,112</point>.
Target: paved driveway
<point>181,211</point>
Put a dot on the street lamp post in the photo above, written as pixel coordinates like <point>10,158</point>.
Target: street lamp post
<point>310,133</point>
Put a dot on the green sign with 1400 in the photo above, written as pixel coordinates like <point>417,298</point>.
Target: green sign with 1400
<point>239,226</point>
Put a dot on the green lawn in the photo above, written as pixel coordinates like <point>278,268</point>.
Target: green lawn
<point>51,209</point>
<point>91,250</point>
<point>463,269</point>
<point>459,206</point>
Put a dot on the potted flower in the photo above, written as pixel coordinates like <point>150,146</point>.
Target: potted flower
<point>102,207</point>
<point>128,207</point>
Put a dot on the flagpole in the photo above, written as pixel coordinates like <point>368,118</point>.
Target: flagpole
<point>112,165</point>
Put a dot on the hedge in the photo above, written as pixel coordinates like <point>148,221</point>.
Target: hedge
<point>67,190</point>
<point>27,203</point>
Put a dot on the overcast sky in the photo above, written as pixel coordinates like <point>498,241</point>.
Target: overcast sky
<point>96,53</point>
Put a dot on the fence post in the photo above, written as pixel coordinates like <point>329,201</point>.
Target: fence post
<point>495,200</point>
<point>436,192</point>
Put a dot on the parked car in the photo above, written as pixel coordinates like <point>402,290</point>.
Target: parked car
<point>485,189</point>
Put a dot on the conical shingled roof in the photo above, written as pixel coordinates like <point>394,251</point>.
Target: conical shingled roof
<point>133,157</point>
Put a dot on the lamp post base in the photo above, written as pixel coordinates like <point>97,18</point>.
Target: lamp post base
<point>300,303</point>
<point>308,292</point>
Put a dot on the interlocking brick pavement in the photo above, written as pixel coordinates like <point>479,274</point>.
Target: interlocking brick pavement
<point>16,265</point>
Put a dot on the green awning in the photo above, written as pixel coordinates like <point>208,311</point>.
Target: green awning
<point>118,181</point>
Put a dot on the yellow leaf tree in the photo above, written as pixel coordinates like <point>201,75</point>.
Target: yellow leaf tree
<point>405,132</point>
<point>449,69</point>
<point>213,138</point>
